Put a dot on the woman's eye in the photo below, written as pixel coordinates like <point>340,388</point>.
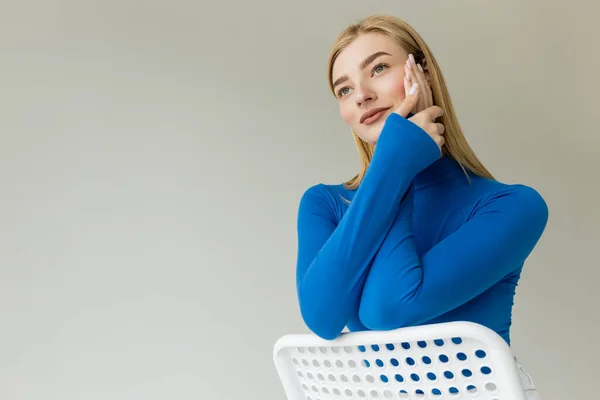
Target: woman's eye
<point>379,68</point>
<point>342,92</point>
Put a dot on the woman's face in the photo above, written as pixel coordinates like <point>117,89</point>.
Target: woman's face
<point>369,75</point>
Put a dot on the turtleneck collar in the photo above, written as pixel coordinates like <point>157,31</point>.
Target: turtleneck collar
<point>438,171</point>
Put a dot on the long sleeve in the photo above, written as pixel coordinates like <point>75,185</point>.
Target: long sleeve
<point>403,289</point>
<point>333,259</point>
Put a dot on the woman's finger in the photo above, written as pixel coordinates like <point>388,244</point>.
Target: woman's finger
<point>407,85</point>
<point>440,128</point>
<point>410,72</point>
<point>417,75</point>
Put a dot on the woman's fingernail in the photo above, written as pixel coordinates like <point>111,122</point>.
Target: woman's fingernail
<point>408,64</point>
<point>413,88</point>
<point>420,68</point>
<point>412,58</point>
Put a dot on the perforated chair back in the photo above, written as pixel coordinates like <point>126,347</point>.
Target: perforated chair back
<point>456,360</point>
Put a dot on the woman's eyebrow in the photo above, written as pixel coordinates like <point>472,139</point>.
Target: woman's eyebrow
<point>363,65</point>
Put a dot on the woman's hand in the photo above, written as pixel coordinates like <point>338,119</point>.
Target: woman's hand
<point>424,119</point>
<point>414,73</point>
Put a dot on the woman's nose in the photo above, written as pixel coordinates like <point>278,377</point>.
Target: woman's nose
<point>364,95</point>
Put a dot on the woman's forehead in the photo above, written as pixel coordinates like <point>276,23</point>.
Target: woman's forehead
<point>363,46</point>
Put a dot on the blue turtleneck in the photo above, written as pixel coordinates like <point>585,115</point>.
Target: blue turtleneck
<point>417,243</point>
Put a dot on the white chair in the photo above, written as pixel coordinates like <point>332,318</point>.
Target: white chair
<point>455,360</point>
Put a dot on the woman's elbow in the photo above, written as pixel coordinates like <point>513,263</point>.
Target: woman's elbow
<point>378,312</point>
<point>374,312</point>
<point>321,320</point>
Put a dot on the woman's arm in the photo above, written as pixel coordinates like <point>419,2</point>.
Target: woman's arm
<point>332,260</point>
<point>403,290</point>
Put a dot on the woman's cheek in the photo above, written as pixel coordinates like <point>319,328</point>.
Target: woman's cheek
<point>394,87</point>
<point>400,90</point>
<point>346,115</point>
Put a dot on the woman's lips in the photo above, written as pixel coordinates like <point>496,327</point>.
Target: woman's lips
<point>374,117</point>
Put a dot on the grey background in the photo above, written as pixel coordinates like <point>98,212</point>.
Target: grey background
<point>153,153</point>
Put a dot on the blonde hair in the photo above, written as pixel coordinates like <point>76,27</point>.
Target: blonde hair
<point>455,143</point>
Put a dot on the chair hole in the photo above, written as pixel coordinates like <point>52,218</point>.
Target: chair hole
<point>362,348</point>
<point>356,378</point>
<point>406,345</point>
<point>456,340</point>
<point>301,350</point>
<point>375,347</point>
<point>443,358</point>
<point>370,379</point>
<point>325,390</point>
<point>315,389</point>
<point>467,373</point>
<point>426,360</point>
<point>305,362</point>
<point>472,389</point>
<point>388,394</point>
<point>348,392</point>
<point>310,375</point>
<point>394,362</point>
<point>415,377</point>
<point>410,361</point>
<point>449,375</point>
<point>336,392</point>
<point>436,392</point>
<point>490,386</point>
<point>390,347</point>
<point>305,387</point>
<point>300,375</point>
<point>453,391</point>
<point>486,370</point>
<point>379,363</point>
<point>384,378</point>
<point>323,350</point>
<point>327,363</point>
<point>422,344</point>
<point>352,364</point>
<point>316,363</point>
<point>399,378</point>
<point>431,376</point>
<point>335,350</point>
<point>348,349</point>
<point>312,350</point>
<point>438,342</point>
<point>366,363</point>
<point>295,361</point>
<point>374,394</point>
<point>343,378</point>
<point>339,364</point>
<point>320,377</point>
<point>331,377</point>
<point>461,356</point>
<point>419,393</point>
<point>480,354</point>
<point>403,394</point>
<point>360,393</point>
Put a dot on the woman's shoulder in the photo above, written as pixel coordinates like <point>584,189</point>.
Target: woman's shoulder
<point>518,195</point>
<point>330,199</point>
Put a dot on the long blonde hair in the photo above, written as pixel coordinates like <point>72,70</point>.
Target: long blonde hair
<point>455,143</point>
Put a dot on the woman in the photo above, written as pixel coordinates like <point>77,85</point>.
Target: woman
<point>423,233</point>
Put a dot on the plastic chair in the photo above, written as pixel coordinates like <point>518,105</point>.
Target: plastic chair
<point>455,360</point>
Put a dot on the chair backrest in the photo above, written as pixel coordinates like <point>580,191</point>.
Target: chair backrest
<point>455,360</point>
